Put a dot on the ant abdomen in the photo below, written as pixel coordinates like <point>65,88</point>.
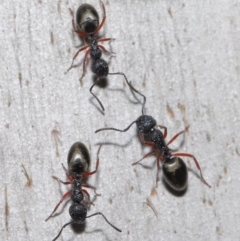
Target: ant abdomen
<point>175,173</point>
<point>100,68</point>
<point>87,18</point>
<point>78,212</point>
<point>78,158</point>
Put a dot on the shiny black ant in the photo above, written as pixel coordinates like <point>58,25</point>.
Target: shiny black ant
<point>78,164</point>
<point>88,27</point>
<point>174,169</point>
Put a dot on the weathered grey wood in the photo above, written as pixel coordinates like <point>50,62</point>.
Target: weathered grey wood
<point>183,55</point>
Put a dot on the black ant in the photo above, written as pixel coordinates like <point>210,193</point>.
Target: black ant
<point>78,164</point>
<point>88,27</point>
<point>174,169</point>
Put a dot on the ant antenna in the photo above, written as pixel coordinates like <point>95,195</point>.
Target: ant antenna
<point>100,103</point>
<point>114,129</point>
<point>132,88</point>
<point>64,226</point>
<point>98,213</point>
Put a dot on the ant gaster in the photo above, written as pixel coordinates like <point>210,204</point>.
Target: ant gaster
<point>174,169</point>
<point>78,164</point>
<point>88,27</point>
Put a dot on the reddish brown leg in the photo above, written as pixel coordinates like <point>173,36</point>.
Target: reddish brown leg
<point>177,135</point>
<point>59,180</point>
<point>159,159</point>
<point>63,197</point>
<point>84,66</point>
<point>67,174</point>
<point>145,156</point>
<point>81,33</point>
<point>165,130</point>
<point>103,20</point>
<point>147,143</point>
<point>196,163</point>
<point>105,39</point>
<point>88,196</point>
<point>92,187</point>
<point>75,56</point>
<point>104,50</point>
<point>87,174</point>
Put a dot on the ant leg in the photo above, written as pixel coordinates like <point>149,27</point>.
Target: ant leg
<point>75,56</point>
<point>147,143</point>
<point>196,163</point>
<point>145,156</point>
<point>177,135</point>
<point>87,174</point>
<point>119,230</point>
<point>88,196</point>
<point>99,102</point>
<point>105,39</point>
<point>165,130</point>
<point>63,197</point>
<point>159,159</point>
<point>65,225</point>
<point>70,178</point>
<point>104,50</point>
<point>84,66</point>
<point>81,33</point>
<point>132,88</point>
<point>92,187</point>
<point>59,180</point>
<point>114,129</point>
<point>103,20</point>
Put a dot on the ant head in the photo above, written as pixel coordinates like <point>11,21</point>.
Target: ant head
<point>175,173</point>
<point>145,123</point>
<point>100,68</point>
<point>87,18</point>
<point>78,158</point>
<point>78,212</point>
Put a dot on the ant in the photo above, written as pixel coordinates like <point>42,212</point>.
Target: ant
<point>88,27</point>
<point>174,168</point>
<point>78,164</point>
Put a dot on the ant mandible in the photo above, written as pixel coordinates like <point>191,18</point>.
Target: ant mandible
<point>78,164</point>
<point>88,27</point>
<point>174,168</point>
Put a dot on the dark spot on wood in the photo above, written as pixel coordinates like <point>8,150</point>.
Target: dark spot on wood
<point>52,38</point>
<point>170,12</point>
<point>26,227</point>
<point>6,208</point>
<point>20,78</point>
<point>55,134</point>
<point>29,179</point>
<point>170,112</point>
<point>153,192</point>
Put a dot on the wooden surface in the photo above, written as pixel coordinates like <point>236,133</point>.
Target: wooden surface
<point>183,55</point>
